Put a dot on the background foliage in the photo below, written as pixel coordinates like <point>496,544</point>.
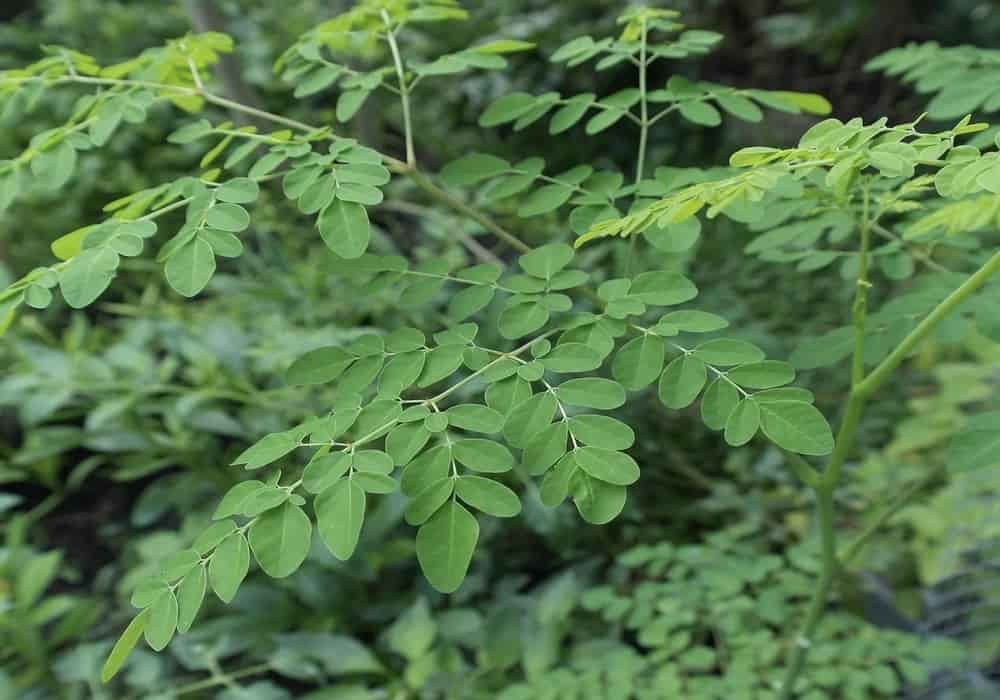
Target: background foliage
<point>117,423</point>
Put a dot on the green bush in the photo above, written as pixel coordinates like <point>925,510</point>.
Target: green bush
<point>461,350</point>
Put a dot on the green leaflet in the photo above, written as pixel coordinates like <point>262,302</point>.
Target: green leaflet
<point>601,431</point>
<point>607,465</point>
<point>340,513</point>
<point>483,455</point>
<point>718,402</point>
<point>87,275</point>
<point>280,540</point>
<point>591,392</point>
<point>489,496</point>
<point>743,422</point>
<point>476,417</point>
<point>190,595</point>
<point>323,471</point>
<point>124,646</point>
<point>682,381</point>
<point>266,450</point>
<point>597,501</point>
<point>162,621</point>
<point>767,374</point>
<point>529,417</point>
<point>726,352</point>
<point>228,566</point>
<point>571,357</point>
<point>344,228</point>
<point>190,267</point>
<point>796,426</point>
<point>546,448</point>
<point>638,363</point>
<point>445,545</point>
<point>319,366</point>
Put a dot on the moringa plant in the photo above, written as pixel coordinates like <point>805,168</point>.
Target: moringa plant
<point>516,370</point>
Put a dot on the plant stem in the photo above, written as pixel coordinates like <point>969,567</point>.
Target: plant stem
<point>882,372</point>
<point>404,91</point>
<point>640,159</point>
<point>861,391</point>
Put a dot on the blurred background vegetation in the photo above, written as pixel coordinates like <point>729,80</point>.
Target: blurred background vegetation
<point>116,425</point>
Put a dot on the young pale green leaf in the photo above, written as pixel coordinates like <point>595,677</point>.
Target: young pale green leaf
<point>797,427</point>
<point>280,540</point>
<point>319,366</point>
<point>340,514</point>
<point>592,392</point>
<point>124,646</point>
<point>228,566</point>
<point>682,381</point>
<point>489,496</point>
<point>345,229</point>
<point>445,545</point>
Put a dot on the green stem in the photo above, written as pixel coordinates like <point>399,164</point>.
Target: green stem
<point>640,159</point>
<point>825,486</point>
<point>860,392</point>
<point>824,513</point>
<point>404,91</point>
<point>881,373</point>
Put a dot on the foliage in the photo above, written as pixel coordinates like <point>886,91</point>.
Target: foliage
<point>385,378</point>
